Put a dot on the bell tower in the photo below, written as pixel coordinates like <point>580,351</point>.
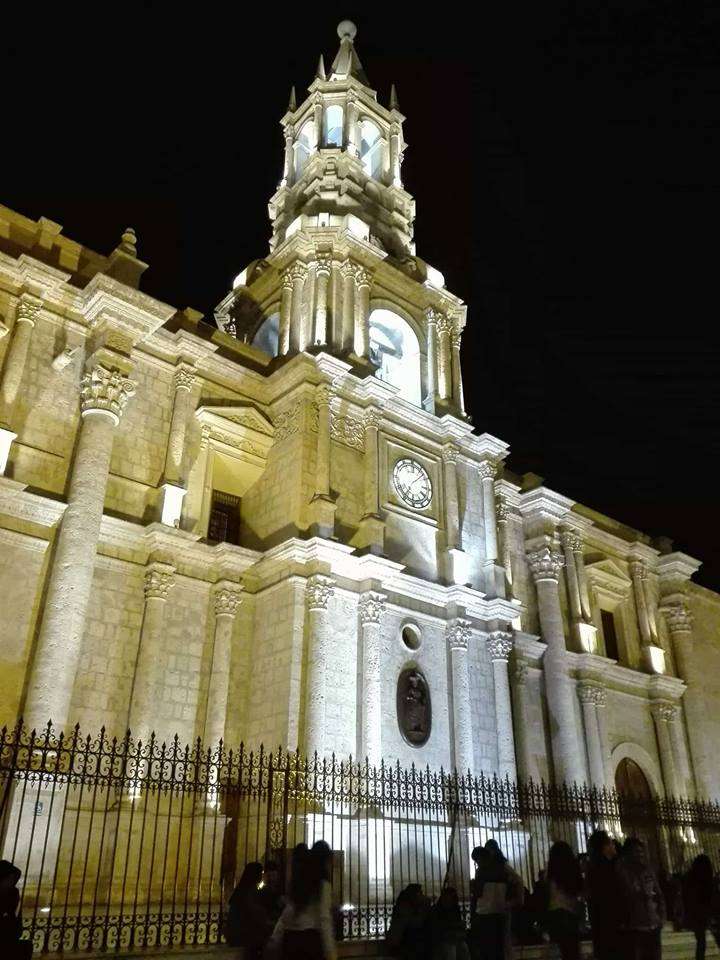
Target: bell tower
<point>342,276</point>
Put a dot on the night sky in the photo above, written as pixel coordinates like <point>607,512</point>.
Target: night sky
<point>566,167</point>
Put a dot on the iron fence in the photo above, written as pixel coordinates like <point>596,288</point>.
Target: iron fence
<point>124,844</point>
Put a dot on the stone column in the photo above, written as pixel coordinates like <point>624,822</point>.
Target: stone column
<point>682,768</point>
<point>104,393</point>
<point>323,269</point>
<point>500,644</point>
<point>297,273</point>
<point>26,313</point>
<point>288,158</point>
<point>371,607</point>
<point>664,714</point>
<point>545,565</point>
<point>395,155</point>
<point>638,573</point>
<point>174,488</point>
<point>361,340</point>
<point>432,319</point>
<point>150,665</point>
<point>323,397</point>
<point>458,396</point>
<point>502,516</point>
<point>452,513</point>
<point>318,118</point>
<point>226,599</point>
<point>458,636</point>
<point>348,322</point>
<point>527,769</point>
<point>679,621</point>
<point>487,471</point>
<point>372,525</point>
<point>351,137</point>
<point>285,313</point>
<point>444,328</point>
<point>591,695</point>
<point>319,590</point>
<point>585,631</point>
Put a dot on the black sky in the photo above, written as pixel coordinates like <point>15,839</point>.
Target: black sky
<point>566,167</point>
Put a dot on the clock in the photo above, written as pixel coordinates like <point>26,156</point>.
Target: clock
<point>412,483</point>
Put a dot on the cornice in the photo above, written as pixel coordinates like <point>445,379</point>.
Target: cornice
<point>545,504</point>
<point>677,566</point>
<point>106,302</point>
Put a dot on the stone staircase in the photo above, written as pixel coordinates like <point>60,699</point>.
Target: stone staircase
<point>676,946</point>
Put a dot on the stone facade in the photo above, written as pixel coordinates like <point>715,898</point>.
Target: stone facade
<point>554,641</point>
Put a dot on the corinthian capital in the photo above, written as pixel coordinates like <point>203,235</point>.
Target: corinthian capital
<point>502,510</point>
<point>444,324</point>
<point>296,271</point>
<point>28,307</point>
<point>371,607</point>
<point>487,469</point>
<point>324,395</point>
<point>499,645</point>
<point>664,710</point>
<point>372,418</point>
<point>592,693</point>
<point>678,616</point>
<point>184,377</point>
<point>323,263</point>
<point>103,389</point>
<point>449,454</point>
<point>363,277</point>
<point>159,581</point>
<point>347,269</point>
<point>458,634</point>
<point>638,570</point>
<point>318,591</point>
<point>545,564</point>
<point>572,541</point>
<point>432,316</point>
<point>226,598</point>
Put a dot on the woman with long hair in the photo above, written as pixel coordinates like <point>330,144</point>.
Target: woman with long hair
<point>602,896</point>
<point>305,928</point>
<point>699,902</point>
<point>564,900</point>
<point>248,926</point>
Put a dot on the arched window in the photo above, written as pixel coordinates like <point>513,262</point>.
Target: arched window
<point>394,348</point>
<point>266,337</point>
<point>371,149</point>
<point>333,133</point>
<point>304,145</point>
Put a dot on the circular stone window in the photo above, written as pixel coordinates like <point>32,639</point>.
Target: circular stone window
<point>414,711</point>
<point>410,636</point>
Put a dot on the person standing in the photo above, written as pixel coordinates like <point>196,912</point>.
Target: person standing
<point>642,903</point>
<point>601,888</point>
<point>248,926</point>
<point>564,900</point>
<point>11,946</point>
<point>496,891</point>
<point>305,928</point>
<point>699,902</point>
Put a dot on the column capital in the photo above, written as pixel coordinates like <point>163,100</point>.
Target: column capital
<point>296,271</point>
<point>28,307</point>
<point>520,672</point>
<point>185,375</point>
<point>502,510</point>
<point>159,581</point>
<point>372,418</point>
<point>432,316</point>
<point>592,693</point>
<point>664,710</point>
<point>324,394</point>
<point>363,276</point>
<point>105,390</point>
<point>487,469</point>
<point>347,269</point>
<point>318,591</point>
<point>456,337</point>
<point>500,645</point>
<point>638,569</point>
<point>371,607</point>
<point>323,263</point>
<point>227,596</point>
<point>545,564</point>
<point>450,454</point>
<point>571,540</point>
<point>458,634</point>
<point>678,616</point>
<point>444,323</point>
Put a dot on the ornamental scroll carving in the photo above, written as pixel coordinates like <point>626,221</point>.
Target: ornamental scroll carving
<point>414,708</point>
<point>288,421</point>
<point>347,430</point>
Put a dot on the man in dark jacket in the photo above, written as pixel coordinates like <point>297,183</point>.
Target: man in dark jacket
<point>642,903</point>
<point>602,896</point>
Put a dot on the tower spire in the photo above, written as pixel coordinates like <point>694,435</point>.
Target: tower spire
<point>292,103</point>
<point>320,72</point>
<point>394,105</point>
<point>347,63</point>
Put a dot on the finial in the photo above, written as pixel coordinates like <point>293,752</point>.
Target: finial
<point>320,72</point>
<point>394,105</point>
<point>346,28</point>
<point>128,243</point>
<point>292,104</point>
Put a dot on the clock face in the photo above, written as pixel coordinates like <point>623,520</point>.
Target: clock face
<point>412,484</point>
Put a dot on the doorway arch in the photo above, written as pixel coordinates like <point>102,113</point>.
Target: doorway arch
<point>637,807</point>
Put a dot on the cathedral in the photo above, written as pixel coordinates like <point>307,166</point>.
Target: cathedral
<point>282,527</point>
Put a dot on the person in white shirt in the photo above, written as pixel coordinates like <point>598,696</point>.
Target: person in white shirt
<point>305,928</point>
